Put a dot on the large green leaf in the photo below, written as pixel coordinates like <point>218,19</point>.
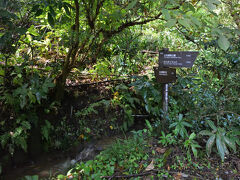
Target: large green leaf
<point>223,43</point>
<point>185,22</point>
<point>220,147</point>
<point>166,14</point>
<point>211,124</point>
<point>171,22</point>
<point>225,148</point>
<point>206,133</point>
<point>186,124</point>
<point>210,143</point>
<point>230,143</point>
<point>196,21</point>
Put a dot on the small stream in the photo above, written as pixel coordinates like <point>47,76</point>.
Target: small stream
<point>51,164</point>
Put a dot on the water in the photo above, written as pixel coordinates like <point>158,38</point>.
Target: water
<point>51,164</point>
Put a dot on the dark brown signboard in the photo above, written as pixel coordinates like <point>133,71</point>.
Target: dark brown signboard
<point>165,75</point>
<point>177,58</point>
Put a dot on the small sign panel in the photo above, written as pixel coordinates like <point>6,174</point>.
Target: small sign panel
<point>177,59</point>
<point>165,75</point>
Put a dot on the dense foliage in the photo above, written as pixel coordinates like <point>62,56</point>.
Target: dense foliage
<point>47,47</point>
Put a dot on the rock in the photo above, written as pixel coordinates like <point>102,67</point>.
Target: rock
<point>89,152</point>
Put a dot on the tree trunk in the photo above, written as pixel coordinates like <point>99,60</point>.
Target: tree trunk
<point>60,85</point>
<point>60,81</point>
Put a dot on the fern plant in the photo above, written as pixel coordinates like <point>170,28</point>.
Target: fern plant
<point>218,135</point>
<point>191,144</point>
<point>180,125</point>
<point>167,139</point>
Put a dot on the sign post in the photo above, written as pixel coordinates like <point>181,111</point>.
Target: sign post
<point>165,74</point>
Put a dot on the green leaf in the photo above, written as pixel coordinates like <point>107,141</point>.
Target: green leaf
<point>131,5</point>
<point>223,43</point>
<point>209,144</point>
<point>220,147</point>
<point>194,150</point>
<point>192,136</point>
<point>225,148</point>
<point>183,131</point>
<point>211,124</point>
<point>66,8</point>
<point>230,143</point>
<point>187,6</point>
<point>149,126</point>
<point>206,133</point>
<point>171,22</point>
<point>196,145</point>
<point>26,124</point>
<point>216,31</point>
<point>185,22</point>
<point>186,124</point>
<point>147,108</point>
<point>172,125</point>
<point>23,143</point>
<point>212,4</point>
<point>180,117</point>
<point>166,14</point>
<point>196,21</point>
<point>35,177</point>
<point>125,126</point>
<point>61,177</point>
<point>50,19</point>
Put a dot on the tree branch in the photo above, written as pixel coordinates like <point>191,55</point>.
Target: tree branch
<point>110,33</point>
<point>186,36</point>
<point>99,5</point>
<point>129,24</point>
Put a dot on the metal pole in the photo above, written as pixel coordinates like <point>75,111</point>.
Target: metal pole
<point>165,87</point>
<point>165,98</point>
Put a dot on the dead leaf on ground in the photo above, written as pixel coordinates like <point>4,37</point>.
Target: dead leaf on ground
<point>150,166</point>
<point>161,150</point>
<point>179,175</point>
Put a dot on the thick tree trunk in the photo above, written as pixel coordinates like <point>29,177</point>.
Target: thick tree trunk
<point>60,81</point>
